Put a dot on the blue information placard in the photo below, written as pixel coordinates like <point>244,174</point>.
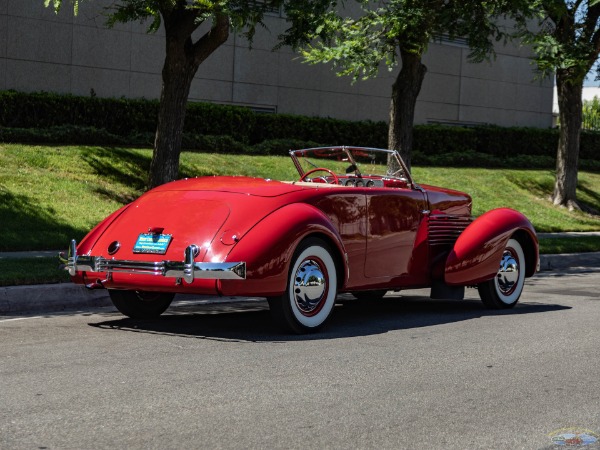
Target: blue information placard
<point>152,243</point>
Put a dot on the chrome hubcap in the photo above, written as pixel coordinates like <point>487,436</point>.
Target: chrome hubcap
<point>508,275</point>
<point>310,286</point>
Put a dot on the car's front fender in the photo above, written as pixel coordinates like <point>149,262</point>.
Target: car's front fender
<point>269,246</point>
<point>478,251</point>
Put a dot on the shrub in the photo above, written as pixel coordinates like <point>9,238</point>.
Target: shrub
<point>67,119</point>
<point>466,158</point>
<point>212,144</point>
<point>316,129</point>
<point>590,145</point>
<point>219,120</point>
<point>46,110</point>
<point>439,139</point>
<point>63,134</point>
<point>502,142</point>
<point>280,146</point>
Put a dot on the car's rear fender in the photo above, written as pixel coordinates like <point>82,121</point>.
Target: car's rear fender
<point>478,251</point>
<point>92,237</point>
<point>268,248</point>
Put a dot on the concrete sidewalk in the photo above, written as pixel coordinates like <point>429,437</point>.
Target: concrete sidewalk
<point>42,298</point>
<point>568,234</point>
<point>35,254</point>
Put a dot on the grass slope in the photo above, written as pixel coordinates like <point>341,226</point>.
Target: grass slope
<point>527,191</point>
<point>26,271</point>
<point>50,194</point>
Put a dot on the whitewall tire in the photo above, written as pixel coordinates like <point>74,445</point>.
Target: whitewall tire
<point>504,290</point>
<point>311,288</point>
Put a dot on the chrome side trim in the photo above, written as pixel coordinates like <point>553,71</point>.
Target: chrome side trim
<point>187,269</point>
<point>445,229</point>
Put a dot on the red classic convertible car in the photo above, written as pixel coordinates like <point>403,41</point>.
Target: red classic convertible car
<point>354,221</point>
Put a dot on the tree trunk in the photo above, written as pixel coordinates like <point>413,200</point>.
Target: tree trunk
<point>405,91</point>
<point>183,57</point>
<point>570,116</point>
<point>177,80</point>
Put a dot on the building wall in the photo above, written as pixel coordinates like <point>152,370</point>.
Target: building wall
<point>42,51</point>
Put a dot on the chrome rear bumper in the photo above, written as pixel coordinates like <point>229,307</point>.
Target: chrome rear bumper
<point>187,269</point>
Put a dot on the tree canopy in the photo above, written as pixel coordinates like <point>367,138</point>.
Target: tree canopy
<point>243,15</point>
<point>565,36</point>
<point>358,45</point>
<point>396,32</point>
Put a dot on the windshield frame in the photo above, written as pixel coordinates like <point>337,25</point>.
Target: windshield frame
<point>296,155</point>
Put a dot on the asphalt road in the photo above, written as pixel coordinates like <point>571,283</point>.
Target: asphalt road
<point>404,373</point>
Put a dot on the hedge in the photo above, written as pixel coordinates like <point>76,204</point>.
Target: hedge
<point>67,119</point>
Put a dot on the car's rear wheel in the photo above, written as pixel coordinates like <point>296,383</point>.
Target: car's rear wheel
<point>503,291</point>
<point>311,289</point>
<point>140,304</point>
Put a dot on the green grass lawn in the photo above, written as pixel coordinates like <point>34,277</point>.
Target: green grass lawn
<point>24,271</point>
<point>50,194</point>
<point>570,245</point>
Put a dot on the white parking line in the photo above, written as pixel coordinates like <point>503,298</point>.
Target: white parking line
<point>20,318</point>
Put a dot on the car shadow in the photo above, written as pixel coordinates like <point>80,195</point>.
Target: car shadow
<point>251,322</point>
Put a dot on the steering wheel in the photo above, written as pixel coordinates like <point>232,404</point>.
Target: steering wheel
<point>322,169</point>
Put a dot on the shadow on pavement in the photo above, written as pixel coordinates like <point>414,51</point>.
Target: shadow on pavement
<point>251,322</point>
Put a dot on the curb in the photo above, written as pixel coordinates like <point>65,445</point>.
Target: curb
<point>569,261</point>
<point>67,296</point>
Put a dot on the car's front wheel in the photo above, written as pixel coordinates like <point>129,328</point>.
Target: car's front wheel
<point>140,304</point>
<point>311,289</point>
<point>503,291</point>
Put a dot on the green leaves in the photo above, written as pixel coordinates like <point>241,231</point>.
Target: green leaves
<point>360,44</point>
<point>138,10</point>
<point>244,15</point>
<point>591,114</point>
<point>355,47</point>
<point>56,4</point>
<point>565,36</point>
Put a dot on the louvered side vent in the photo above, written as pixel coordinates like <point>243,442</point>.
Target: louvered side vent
<point>444,229</point>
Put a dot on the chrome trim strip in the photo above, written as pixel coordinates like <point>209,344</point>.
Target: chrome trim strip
<point>187,269</point>
<point>445,229</point>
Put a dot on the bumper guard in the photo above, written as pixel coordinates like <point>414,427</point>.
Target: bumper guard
<point>187,270</point>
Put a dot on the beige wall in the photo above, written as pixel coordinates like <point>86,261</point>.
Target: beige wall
<point>61,53</point>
